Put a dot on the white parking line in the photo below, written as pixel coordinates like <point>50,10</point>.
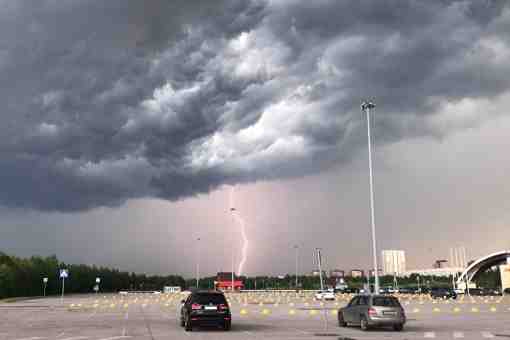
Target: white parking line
<point>117,337</point>
<point>126,317</point>
<point>487,335</point>
<point>458,335</point>
<point>32,338</point>
<point>429,335</point>
<point>76,338</point>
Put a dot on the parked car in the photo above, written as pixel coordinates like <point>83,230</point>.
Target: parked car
<point>444,293</point>
<point>205,308</point>
<point>325,296</point>
<point>491,292</point>
<point>475,291</point>
<point>348,290</point>
<point>373,310</point>
<point>484,292</point>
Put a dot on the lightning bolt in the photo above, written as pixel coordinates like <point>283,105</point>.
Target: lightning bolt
<point>242,225</point>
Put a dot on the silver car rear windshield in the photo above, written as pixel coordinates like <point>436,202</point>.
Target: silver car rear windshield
<point>385,302</point>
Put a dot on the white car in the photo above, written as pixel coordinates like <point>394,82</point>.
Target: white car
<point>325,296</point>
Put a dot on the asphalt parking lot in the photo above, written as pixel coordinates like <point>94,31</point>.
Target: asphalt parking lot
<point>255,316</point>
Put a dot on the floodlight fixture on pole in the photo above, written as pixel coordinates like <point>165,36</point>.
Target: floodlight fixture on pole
<point>365,107</point>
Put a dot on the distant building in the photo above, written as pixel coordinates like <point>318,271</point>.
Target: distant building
<point>504,271</point>
<point>439,263</point>
<point>224,282</point>
<point>170,289</point>
<point>357,273</point>
<point>317,273</point>
<point>394,262</point>
<point>372,272</point>
<point>458,257</point>
<point>337,273</point>
<point>445,271</point>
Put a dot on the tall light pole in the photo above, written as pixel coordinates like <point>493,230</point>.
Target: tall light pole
<point>365,107</point>
<point>233,211</point>
<point>198,260</point>
<point>296,247</point>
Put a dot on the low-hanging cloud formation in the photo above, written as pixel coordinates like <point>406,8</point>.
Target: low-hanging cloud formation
<point>104,101</point>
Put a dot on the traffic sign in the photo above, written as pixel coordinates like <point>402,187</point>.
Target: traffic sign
<point>98,279</point>
<point>64,273</point>
<point>45,279</point>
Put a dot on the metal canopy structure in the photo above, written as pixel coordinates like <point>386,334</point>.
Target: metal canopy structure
<point>483,264</point>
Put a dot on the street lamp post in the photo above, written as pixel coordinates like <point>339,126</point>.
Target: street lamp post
<point>45,282</point>
<point>198,260</point>
<point>233,211</point>
<point>297,264</point>
<point>365,107</point>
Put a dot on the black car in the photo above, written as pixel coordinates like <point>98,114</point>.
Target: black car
<point>444,293</point>
<point>205,308</point>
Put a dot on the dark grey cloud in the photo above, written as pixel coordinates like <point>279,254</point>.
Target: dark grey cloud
<point>107,101</point>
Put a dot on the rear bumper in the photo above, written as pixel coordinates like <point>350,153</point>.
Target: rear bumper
<point>378,321</point>
<point>209,319</point>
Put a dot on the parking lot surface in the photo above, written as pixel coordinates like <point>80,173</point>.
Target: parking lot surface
<point>255,316</point>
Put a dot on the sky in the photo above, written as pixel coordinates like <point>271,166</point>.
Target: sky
<point>128,128</point>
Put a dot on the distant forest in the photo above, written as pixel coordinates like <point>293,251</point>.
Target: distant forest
<point>24,277</point>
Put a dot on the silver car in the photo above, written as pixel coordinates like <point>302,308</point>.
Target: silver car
<point>373,310</point>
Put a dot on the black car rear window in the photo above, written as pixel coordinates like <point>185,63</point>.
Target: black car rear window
<point>385,302</point>
<point>206,299</point>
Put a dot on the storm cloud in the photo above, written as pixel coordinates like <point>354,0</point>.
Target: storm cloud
<point>105,101</point>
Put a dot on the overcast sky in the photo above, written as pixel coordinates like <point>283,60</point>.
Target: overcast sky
<point>126,123</point>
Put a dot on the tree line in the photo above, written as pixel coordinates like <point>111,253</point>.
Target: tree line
<point>24,277</point>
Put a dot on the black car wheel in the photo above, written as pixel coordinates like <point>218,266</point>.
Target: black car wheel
<point>227,325</point>
<point>341,321</point>
<point>398,327</point>
<point>364,323</point>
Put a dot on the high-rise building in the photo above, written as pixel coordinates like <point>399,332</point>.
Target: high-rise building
<point>394,262</point>
<point>337,273</point>
<point>357,273</point>
<point>458,257</point>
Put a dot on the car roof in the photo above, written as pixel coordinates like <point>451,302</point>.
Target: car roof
<point>377,296</point>
<point>203,292</point>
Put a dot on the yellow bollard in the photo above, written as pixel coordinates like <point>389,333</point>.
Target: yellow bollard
<point>456,310</point>
<point>474,310</point>
<point>334,312</point>
<point>243,312</point>
<point>292,312</point>
<point>313,312</point>
<point>266,311</point>
<point>436,310</point>
<point>493,309</point>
